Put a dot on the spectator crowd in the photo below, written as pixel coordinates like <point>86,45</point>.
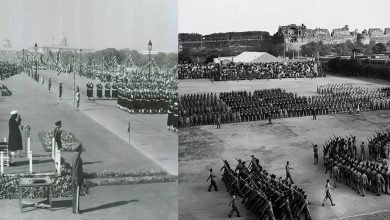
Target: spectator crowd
<point>248,71</point>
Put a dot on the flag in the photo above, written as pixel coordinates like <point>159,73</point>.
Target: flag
<point>128,129</point>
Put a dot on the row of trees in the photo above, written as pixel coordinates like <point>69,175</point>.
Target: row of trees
<point>122,57</point>
<point>354,67</point>
<point>276,46</point>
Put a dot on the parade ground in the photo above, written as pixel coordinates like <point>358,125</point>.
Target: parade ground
<point>287,139</point>
<point>103,131</point>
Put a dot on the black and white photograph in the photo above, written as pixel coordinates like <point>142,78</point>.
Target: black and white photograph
<point>284,109</point>
<point>88,109</point>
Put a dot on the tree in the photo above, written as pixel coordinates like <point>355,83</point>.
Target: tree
<point>379,48</point>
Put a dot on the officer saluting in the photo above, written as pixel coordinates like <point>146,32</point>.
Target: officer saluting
<point>57,134</point>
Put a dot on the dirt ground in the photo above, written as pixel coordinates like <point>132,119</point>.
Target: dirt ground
<point>201,148</point>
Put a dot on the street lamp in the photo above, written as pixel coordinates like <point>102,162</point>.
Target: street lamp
<point>36,62</point>
<point>150,49</point>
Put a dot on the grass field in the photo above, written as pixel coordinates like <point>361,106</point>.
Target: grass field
<point>290,139</point>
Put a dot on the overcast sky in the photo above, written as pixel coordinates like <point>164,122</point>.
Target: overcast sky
<point>91,24</point>
<point>211,16</point>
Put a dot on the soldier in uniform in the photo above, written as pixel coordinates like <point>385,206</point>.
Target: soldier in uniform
<point>288,174</point>
<point>362,152</point>
<point>363,183</point>
<point>212,181</point>
<point>328,187</point>
<point>234,207</point>
<point>107,91</point>
<point>77,98</point>
<point>175,116</point>
<point>60,90</point>
<point>77,179</point>
<point>335,175</point>
<point>315,154</point>
<point>49,84</point>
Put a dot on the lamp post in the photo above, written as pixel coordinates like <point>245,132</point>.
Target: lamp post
<point>150,49</point>
<point>23,61</point>
<point>36,62</point>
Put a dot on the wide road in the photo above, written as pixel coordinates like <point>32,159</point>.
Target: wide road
<point>149,133</point>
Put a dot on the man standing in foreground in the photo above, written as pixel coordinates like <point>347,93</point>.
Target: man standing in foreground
<point>77,179</point>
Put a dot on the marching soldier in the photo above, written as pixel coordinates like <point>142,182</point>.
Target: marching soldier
<point>328,187</point>
<point>49,83</point>
<point>212,181</point>
<point>288,174</point>
<point>363,184</point>
<point>60,90</point>
<point>335,175</point>
<point>234,207</point>
<point>315,150</point>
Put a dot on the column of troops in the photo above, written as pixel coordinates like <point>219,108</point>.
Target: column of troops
<point>152,94</point>
<point>341,159</point>
<point>263,193</point>
<point>357,98</point>
<point>379,146</point>
<point>239,106</point>
<point>145,100</point>
<point>106,91</point>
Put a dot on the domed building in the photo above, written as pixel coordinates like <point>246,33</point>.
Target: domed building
<point>7,44</point>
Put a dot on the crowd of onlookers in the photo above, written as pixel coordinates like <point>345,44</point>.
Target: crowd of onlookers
<point>242,71</point>
<point>8,69</point>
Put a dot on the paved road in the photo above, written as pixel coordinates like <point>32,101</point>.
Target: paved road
<point>148,132</point>
<point>39,108</point>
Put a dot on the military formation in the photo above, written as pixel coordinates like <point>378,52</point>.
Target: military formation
<point>110,90</point>
<point>263,193</point>
<point>346,96</point>
<point>379,145</point>
<point>201,109</point>
<point>247,71</point>
<point>345,165</point>
<point>142,94</point>
<point>267,104</point>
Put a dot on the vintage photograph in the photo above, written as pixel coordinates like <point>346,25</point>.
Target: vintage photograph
<point>88,109</point>
<point>284,109</point>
